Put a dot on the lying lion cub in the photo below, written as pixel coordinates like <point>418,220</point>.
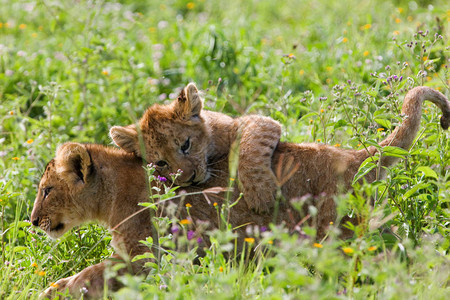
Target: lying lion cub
<point>85,183</point>
<point>208,137</point>
<point>183,142</point>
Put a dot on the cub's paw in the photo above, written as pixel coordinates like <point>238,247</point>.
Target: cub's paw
<point>74,286</point>
<point>59,287</point>
<point>260,197</point>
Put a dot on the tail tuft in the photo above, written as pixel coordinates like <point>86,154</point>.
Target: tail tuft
<point>445,120</point>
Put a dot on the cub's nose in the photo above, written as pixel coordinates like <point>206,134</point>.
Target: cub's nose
<point>35,221</point>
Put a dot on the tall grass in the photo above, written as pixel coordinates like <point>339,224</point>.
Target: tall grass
<point>330,71</point>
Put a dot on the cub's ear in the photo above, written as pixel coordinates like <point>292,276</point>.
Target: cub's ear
<point>189,103</point>
<point>126,138</point>
<point>73,162</point>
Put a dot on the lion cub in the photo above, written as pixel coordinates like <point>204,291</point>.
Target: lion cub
<point>174,138</point>
<point>183,136</point>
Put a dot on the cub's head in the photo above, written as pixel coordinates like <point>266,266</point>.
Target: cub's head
<point>172,137</point>
<point>57,207</point>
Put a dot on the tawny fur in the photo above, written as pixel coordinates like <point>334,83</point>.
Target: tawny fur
<point>165,127</point>
<point>86,183</point>
<point>258,136</point>
<point>95,183</point>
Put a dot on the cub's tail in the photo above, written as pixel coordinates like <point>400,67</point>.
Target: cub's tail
<point>403,136</point>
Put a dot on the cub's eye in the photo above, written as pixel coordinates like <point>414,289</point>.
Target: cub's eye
<point>47,191</point>
<point>161,163</point>
<point>185,147</point>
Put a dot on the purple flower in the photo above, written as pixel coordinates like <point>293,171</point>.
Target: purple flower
<point>174,229</point>
<point>199,240</point>
<point>263,228</point>
<point>161,178</point>
<point>190,234</point>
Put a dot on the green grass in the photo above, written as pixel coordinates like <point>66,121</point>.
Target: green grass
<point>69,70</point>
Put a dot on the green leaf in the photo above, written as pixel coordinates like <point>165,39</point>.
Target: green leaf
<point>366,167</point>
<point>394,151</point>
<point>148,204</point>
<point>428,172</point>
<point>415,189</point>
<point>372,143</point>
<point>308,115</point>
<point>340,123</point>
<point>20,248</point>
<point>384,123</point>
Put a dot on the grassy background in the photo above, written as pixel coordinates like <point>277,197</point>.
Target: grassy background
<point>329,71</point>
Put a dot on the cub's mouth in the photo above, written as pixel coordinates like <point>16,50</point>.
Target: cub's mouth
<point>58,227</point>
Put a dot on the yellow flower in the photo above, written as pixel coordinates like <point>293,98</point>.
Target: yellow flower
<point>380,129</point>
<point>188,205</point>
<point>397,20</point>
<point>185,222</point>
<point>249,240</point>
<point>311,121</point>
<point>365,27</point>
<point>1,200</point>
<point>15,158</point>
<point>22,26</point>
<point>329,69</point>
<point>331,223</point>
<point>105,72</point>
<point>11,113</point>
<point>425,58</point>
<point>396,32</point>
<point>410,18</point>
<point>366,53</point>
<point>41,273</point>
<point>400,10</point>
<point>152,29</point>
<point>231,179</point>
<point>220,269</point>
<point>270,242</point>
<point>322,110</point>
<point>426,111</point>
<point>190,5</point>
<point>291,55</point>
<point>319,140</point>
<point>1,24</point>
<point>348,250</point>
<point>34,265</point>
<point>54,285</point>
<point>372,248</point>
<point>345,40</point>
<point>34,34</point>
<point>301,72</point>
<point>215,203</point>
<point>30,141</point>
<point>317,245</point>
<point>335,145</point>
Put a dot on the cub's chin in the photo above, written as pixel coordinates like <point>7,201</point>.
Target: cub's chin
<point>206,177</point>
<point>58,231</point>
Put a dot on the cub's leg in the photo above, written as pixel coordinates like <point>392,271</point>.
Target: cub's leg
<point>90,282</point>
<point>259,137</point>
